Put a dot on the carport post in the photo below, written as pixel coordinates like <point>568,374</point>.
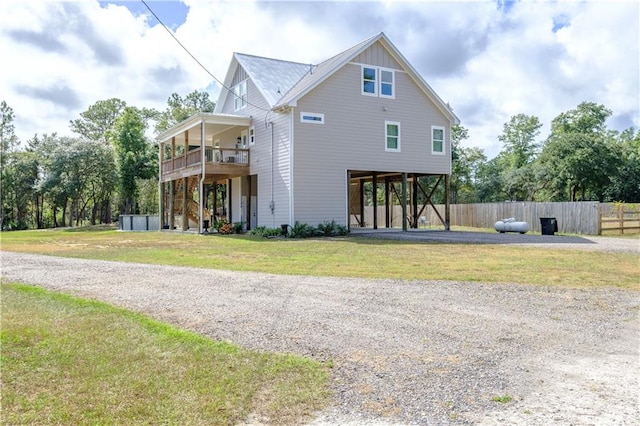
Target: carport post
<point>375,200</point>
<point>447,203</point>
<point>404,201</point>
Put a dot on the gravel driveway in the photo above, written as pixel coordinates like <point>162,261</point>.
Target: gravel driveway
<point>425,352</point>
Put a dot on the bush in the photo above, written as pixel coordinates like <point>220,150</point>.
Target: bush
<point>332,229</point>
<point>226,229</point>
<point>302,230</point>
<point>238,228</point>
<point>264,232</point>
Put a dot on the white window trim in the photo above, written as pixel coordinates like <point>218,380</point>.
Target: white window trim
<point>444,138</point>
<point>376,87</point>
<point>393,83</point>
<point>378,81</point>
<point>386,135</point>
<point>240,100</point>
<point>252,136</point>
<point>315,116</point>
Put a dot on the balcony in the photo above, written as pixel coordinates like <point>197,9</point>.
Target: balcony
<point>221,162</point>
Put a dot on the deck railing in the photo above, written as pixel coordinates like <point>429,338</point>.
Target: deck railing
<point>226,156</point>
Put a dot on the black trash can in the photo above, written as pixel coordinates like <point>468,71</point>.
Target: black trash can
<point>549,225</point>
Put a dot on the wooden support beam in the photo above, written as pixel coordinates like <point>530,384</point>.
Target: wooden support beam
<point>172,199</point>
<point>349,200</point>
<point>404,201</point>
<point>375,201</point>
<point>387,208</point>
<point>428,197</point>
<point>229,201</point>
<point>185,212</point>
<point>162,211</point>
<point>362,203</point>
<point>249,224</point>
<point>215,203</point>
<point>414,201</point>
<point>447,203</point>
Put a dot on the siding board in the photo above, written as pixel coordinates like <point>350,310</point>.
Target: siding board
<point>353,138</point>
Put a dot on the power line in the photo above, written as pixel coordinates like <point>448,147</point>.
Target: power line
<point>196,59</point>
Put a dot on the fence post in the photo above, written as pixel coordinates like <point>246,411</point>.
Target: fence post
<point>599,207</point>
<point>621,217</point>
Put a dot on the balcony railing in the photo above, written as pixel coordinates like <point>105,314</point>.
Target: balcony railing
<point>213,156</point>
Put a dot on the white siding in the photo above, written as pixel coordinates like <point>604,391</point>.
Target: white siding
<point>353,138</point>
<point>377,55</point>
<point>273,175</point>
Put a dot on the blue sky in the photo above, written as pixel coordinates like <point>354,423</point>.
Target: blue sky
<point>489,59</point>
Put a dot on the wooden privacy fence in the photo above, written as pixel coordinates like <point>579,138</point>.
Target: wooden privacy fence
<point>582,217</point>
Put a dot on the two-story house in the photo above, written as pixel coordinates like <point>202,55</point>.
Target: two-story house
<point>294,142</point>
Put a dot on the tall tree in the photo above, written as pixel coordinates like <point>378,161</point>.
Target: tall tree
<point>179,109</point>
<point>579,158</point>
<point>98,120</point>
<point>134,156</point>
<point>625,184</point>
<point>465,164</point>
<point>518,140</point>
<point>8,141</point>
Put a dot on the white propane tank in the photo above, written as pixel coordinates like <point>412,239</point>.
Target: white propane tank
<point>511,225</point>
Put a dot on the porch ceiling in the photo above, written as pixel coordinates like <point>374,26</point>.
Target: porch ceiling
<point>214,124</point>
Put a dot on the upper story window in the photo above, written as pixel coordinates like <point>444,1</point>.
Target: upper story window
<point>392,136</point>
<point>311,117</point>
<point>240,96</point>
<point>252,136</point>
<point>437,140</point>
<point>369,81</point>
<point>378,81</point>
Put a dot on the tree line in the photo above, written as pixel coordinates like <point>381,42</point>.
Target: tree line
<point>110,166</point>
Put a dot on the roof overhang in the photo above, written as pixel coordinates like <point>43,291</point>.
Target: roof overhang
<point>210,119</point>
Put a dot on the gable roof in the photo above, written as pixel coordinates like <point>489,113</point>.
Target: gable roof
<point>283,83</point>
<point>330,66</point>
<point>272,77</point>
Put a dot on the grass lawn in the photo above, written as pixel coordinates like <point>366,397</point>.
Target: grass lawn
<point>71,361</point>
<point>346,257</point>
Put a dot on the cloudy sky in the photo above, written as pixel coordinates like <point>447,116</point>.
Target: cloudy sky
<point>489,59</point>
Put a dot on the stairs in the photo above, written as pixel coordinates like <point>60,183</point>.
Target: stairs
<point>192,205</point>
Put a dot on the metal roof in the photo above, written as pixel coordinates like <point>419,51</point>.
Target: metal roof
<point>272,77</point>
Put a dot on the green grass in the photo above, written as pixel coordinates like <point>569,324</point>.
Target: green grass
<point>72,361</point>
<point>345,257</point>
<point>502,399</point>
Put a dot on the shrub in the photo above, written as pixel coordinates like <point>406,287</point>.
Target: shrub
<point>332,229</point>
<point>264,232</point>
<point>238,228</point>
<point>226,229</point>
<point>302,230</point>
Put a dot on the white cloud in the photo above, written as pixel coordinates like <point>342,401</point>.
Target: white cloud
<point>488,62</point>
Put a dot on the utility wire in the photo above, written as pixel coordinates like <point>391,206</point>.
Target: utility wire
<point>196,59</point>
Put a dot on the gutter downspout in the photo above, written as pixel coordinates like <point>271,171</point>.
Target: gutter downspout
<point>201,187</point>
<point>291,163</point>
<point>272,204</point>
